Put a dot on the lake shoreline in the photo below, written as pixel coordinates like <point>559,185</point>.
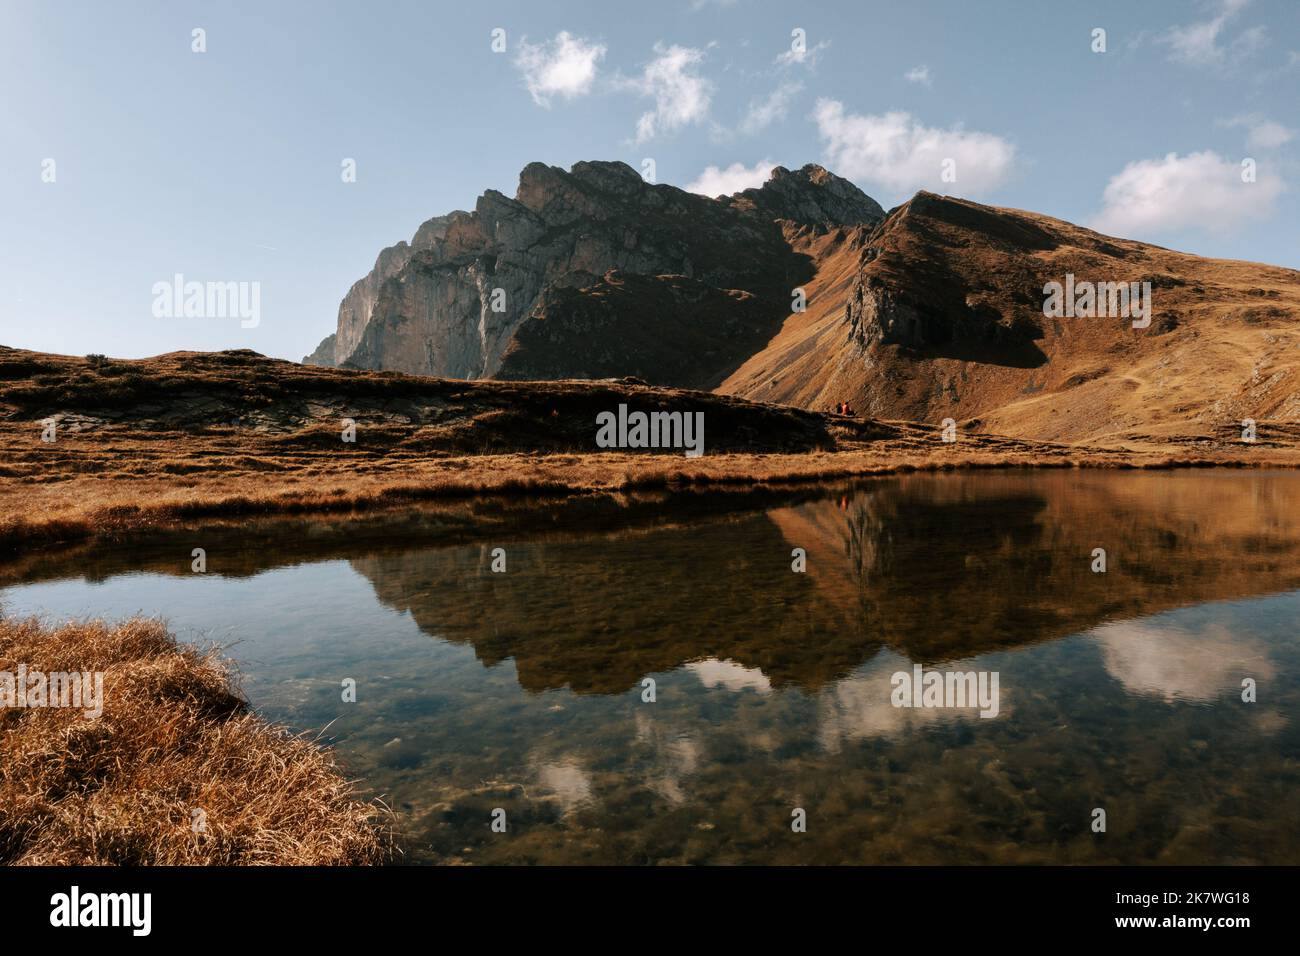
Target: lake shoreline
<point>63,503</point>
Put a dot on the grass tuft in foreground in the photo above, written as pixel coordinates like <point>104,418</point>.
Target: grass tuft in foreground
<point>175,744</point>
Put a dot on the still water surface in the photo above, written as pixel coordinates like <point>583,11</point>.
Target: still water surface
<point>524,690</point>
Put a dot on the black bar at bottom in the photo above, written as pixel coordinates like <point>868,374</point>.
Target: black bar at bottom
<point>934,904</point>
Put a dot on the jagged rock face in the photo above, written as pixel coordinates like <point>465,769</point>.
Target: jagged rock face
<point>939,316</point>
<point>875,315</point>
<point>359,303</point>
<point>648,327</point>
<point>453,301</point>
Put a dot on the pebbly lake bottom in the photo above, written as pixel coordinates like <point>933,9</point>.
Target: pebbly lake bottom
<point>525,691</point>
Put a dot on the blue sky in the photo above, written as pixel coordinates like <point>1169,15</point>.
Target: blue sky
<point>226,165</point>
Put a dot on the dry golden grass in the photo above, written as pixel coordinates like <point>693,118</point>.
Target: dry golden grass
<point>114,482</point>
<point>185,437</point>
<point>174,737</point>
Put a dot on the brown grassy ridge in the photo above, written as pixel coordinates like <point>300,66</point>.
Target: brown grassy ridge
<point>146,444</point>
<point>1221,346</point>
<point>174,736</point>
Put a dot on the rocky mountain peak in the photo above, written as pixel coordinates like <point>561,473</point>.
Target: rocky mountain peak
<point>614,177</point>
<point>811,196</point>
<point>453,301</point>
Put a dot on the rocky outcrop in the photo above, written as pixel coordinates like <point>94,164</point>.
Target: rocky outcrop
<point>809,196</point>
<point>324,354</point>
<point>521,286</point>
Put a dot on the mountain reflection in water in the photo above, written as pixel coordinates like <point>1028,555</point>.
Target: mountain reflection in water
<point>523,690</point>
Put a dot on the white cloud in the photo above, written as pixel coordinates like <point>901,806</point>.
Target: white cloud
<point>918,74</point>
<point>681,94</point>
<point>1172,664</point>
<point>568,782</point>
<point>861,708</point>
<point>1200,190</point>
<point>713,672</point>
<point>898,152</point>
<point>1262,133</point>
<point>1269,135</point>
<point>1199,43</point>
<point>564,67</point>
<point>765,111</point>
<point>805,57</point>
<point>723,182</point>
